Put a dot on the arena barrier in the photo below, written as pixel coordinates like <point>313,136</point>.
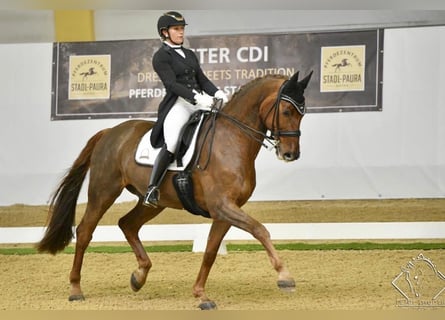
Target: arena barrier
<point>278,231</point>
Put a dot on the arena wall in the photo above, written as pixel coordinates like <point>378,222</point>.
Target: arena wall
<point>396,153</point>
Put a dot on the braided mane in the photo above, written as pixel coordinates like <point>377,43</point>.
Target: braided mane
<point>254,82</point>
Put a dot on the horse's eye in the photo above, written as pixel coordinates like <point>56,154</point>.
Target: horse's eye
<point>286,113</point>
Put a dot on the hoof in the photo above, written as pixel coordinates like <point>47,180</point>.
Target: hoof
<point>286,285</point>
<point>135,285</point>
<point>207,305</point>
<point>76,297</point>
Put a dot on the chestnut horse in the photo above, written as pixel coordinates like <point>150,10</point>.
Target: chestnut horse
<point>223,178</point>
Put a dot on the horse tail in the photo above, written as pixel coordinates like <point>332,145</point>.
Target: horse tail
<point>62,208</point>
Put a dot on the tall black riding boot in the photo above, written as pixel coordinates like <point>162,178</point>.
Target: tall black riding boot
<point>160,166</point>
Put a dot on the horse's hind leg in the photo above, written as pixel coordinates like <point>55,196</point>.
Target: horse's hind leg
<point>97,205</point>
<point>217,232</point>
<point>130,224</point>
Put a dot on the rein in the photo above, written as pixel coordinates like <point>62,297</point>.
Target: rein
<point>272,139</point>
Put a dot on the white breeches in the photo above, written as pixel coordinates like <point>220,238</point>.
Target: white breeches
<point>176,118</point>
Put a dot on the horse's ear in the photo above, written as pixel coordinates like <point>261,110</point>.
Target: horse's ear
<point>294,78</point>
<point>305,81</point>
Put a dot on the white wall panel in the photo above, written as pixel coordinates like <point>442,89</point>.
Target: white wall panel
<point>138,24</point>
<point>31,26</point>
<point>26,26</point>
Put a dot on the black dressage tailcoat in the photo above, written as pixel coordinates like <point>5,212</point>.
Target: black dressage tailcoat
<point>179,76</point>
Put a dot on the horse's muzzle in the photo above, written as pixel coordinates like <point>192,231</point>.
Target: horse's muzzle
<point>289,156</point>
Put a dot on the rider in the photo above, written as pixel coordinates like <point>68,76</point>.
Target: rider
<point>187,90</point>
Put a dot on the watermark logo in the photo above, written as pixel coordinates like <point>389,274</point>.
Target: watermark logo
<point>420,283</point>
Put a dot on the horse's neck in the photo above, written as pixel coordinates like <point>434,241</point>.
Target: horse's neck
<point>244,110</point>
<point>248,120</point>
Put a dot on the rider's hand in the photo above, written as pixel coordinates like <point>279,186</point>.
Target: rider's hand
<point>221,95</point>
<point>203,101</point>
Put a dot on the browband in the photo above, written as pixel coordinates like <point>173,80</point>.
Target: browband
<point>301,107</point>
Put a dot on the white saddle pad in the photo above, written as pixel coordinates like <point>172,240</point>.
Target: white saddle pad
<point>146,154</point>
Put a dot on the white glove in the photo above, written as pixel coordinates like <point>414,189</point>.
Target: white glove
<point>221,95</point>
<point>203,101</point>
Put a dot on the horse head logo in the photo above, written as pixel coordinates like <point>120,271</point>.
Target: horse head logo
<point>420,279</point>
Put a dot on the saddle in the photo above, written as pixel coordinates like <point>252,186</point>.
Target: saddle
<point>146,155</point>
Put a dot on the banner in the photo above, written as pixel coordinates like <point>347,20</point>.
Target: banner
<point>115,79</point>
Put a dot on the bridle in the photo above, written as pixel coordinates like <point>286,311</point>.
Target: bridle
<point>272,140</point>
<point>301,108</point>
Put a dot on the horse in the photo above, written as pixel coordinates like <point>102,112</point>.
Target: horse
<point>90,72</point>
<point>343,63</point>
<point>268,108</point>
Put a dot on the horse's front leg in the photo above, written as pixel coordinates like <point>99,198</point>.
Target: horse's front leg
<point>238,218</point>
<point>217,232</point>
<point>285,281</point>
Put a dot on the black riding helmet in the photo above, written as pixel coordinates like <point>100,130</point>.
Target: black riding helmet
<point>169,19</point>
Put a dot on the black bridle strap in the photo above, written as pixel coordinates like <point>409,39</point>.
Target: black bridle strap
<point>300,106</point>
<point>251,132</point>
<point>295,133</point>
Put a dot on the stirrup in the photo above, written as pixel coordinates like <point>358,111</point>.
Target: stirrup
<point>151,198</point>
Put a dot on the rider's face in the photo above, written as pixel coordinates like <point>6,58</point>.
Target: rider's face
<point>176,34</point>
